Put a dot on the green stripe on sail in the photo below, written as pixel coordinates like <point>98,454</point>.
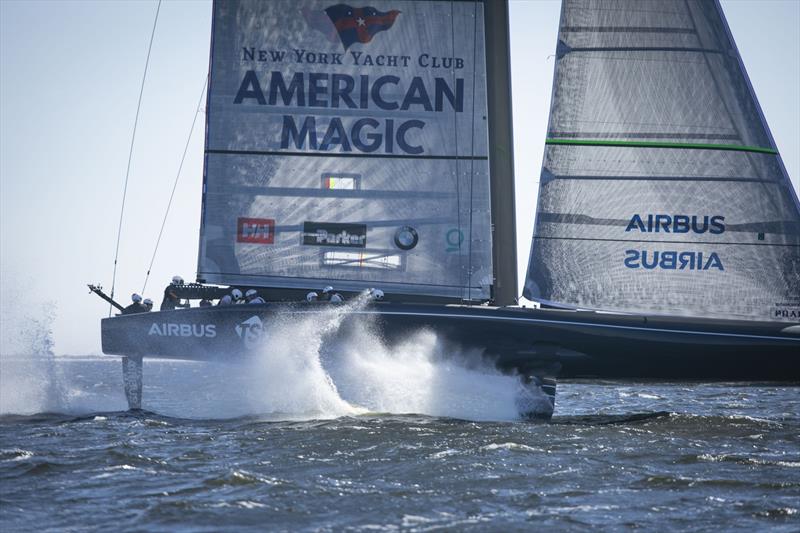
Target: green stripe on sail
<point>645,144</point>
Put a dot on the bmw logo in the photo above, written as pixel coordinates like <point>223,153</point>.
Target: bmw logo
<point>406,238</point>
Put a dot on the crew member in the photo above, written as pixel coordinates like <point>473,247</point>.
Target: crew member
<point>205,302</point>
<point>225,300</point>
<point>236,296</point>
<point>252,297</point>
<point>327,292</point>
<point>312,297</point>
<point>329,296</point>
<point>135,307</point>
<point>148,305</point>
<point>171,299</point>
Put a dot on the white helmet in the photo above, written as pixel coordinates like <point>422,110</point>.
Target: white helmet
<point>250,294</point>
<point>327,289</point>
<point>376,294</point>
<point>136,298</point>
<point>312,296</point>
<point>177,280</point>
<point>148,301</point>
<point>236,294</point>
<point>336,298</point>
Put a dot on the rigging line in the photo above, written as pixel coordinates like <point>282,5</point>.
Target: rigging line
<point>472,144</point>
<point>130,154</point>
<point>455,135</point>
<point>175,184</point>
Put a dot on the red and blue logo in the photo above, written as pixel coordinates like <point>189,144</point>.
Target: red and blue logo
<point>359,24</point>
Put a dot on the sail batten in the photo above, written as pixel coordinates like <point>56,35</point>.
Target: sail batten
<point>662,190</point>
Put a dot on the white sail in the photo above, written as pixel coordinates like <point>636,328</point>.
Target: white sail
<point>348,144</point>
<point>662,190</point>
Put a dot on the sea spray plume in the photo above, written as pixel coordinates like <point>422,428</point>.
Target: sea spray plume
<point>423,374</point>
<point>29,379</point>
<point>284,377</point>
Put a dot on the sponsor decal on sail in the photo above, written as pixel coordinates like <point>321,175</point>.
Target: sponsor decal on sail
<point>393,108</point>
<point>359,24</point>
<point>335,234</point>
<point>784,310</point>
<point>675,259</point>
<point>677,224</point>
<point>171,329</point>
<point>255,230</point>
<point>251,331</point>
<point>672,260</point>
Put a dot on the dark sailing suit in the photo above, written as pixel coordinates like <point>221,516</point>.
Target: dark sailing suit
<point>171,300</point>
<point>135,307</point>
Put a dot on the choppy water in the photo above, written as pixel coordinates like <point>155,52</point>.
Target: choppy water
<point>726,457</point>
<point>328,433</point>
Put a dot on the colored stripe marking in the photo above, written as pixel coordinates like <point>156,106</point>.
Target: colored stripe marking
<point>646,144</point>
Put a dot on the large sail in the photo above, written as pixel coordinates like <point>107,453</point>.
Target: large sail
<point>347,144</point>
<point>661,190</point>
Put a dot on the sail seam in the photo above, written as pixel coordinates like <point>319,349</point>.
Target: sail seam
<point>645,49</point>
<point>339,154</point>
<point>667,242</point>
<point>672,145</point>
<point>343,280</point>
<point>667,178</point>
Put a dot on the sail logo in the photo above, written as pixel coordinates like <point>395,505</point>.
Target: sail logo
<point>255,230</point>
<point>360,24</point>
<point>333,234</point>
<point>672,260</point>
<point>251,331</point>
<point>168,329</point>
<point>677,224</point>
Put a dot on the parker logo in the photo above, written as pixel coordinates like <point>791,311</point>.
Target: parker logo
<point>255,230</point>
<point>250,331</point>
<point>332,234</point>
<point>168,329</point>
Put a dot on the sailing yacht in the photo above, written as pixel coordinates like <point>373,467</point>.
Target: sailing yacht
<point>371,147</point>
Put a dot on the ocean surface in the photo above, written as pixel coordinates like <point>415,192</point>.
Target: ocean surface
<point>393,441</point>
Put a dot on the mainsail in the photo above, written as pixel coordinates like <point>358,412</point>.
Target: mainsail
<point>662,190</point>
<point>348,145</point>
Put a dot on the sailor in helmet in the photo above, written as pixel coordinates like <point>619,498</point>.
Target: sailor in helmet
<point>252,297</point>
<point>171,299</point>
<point>148,305</point>
<point>328,295</point>
<point>236,296</point>
<point>312,297</point>
<point>135,307</point>
<point>375,294</point>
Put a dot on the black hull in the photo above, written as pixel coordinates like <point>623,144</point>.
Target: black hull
<point>566,344</point>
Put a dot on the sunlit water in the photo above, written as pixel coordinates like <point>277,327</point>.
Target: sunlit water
<point>324,433</point>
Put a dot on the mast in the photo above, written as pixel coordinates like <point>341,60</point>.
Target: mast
<point>501,153</point>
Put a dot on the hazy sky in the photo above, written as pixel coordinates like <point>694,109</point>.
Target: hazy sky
<point>69,83</point>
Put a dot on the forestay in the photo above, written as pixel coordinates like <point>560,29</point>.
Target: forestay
<point>661,190</point>
<point>348,145</point>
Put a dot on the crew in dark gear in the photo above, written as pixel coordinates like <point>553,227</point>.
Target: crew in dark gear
<point>329,296</point>
<point>252,297</point>
<point>135,307</point>
<point>171,299</point>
